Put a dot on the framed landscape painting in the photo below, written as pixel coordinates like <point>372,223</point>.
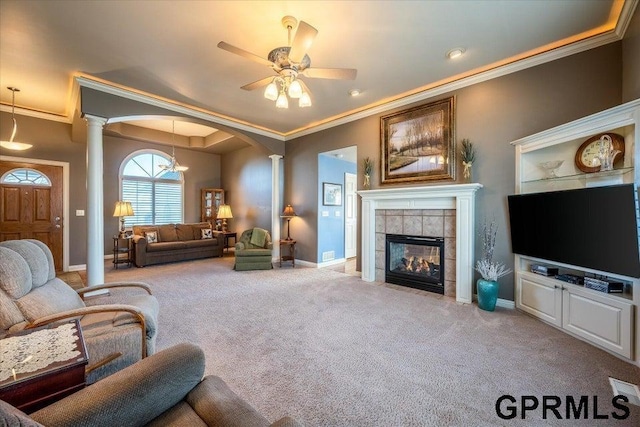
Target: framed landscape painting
<point>419,144</point>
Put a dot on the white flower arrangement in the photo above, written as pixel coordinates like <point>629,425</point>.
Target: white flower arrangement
<point>489,269</point>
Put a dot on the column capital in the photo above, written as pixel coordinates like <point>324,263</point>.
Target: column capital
<point>275,157</point>
<point>94,120</point>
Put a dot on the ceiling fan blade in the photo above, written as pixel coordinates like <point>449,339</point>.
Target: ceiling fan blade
<point>302,41</point>
<point>331,73</point>
<point>257,84</point>
<point>244,53</point>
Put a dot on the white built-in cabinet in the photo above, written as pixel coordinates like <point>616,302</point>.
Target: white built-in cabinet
<point>609,321</point>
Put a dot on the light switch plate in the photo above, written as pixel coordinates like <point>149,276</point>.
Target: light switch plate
<point>79,212</point>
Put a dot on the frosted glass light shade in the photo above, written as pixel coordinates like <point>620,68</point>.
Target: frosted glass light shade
<point>305,100</point>
<point>282,101</point>
<point>271,92</point>
<point>295,89</point>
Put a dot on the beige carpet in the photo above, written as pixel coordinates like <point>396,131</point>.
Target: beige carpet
<point>332,350</point>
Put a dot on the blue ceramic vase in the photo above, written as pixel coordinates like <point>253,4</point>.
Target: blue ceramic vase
<point>487,294</point>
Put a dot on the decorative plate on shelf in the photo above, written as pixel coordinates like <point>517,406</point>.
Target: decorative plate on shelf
<point>588,151</point>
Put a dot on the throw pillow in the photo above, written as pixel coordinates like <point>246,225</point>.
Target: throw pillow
<point>206,233</point>
<point>151,236</point>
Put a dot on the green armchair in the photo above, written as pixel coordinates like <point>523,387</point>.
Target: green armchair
<point>254,250</point>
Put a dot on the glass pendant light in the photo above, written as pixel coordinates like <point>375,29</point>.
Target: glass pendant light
<point>11,144</point>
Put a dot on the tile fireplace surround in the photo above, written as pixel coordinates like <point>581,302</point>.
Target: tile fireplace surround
<point>460,197</point>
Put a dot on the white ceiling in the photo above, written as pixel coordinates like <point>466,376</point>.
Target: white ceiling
<point>167,49</point>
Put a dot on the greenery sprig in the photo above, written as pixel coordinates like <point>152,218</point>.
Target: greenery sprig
<point>468,152</point>
<point>367,166</point>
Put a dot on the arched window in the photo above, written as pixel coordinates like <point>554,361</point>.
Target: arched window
<point>25,176</point>
<point>156,195</point>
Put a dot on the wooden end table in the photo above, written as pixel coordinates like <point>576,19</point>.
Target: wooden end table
<point>227,235</point>
<point>291,245</point>
<point>122,251</point>
<point>30,390</point>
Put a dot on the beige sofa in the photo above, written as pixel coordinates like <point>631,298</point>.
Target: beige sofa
<point>174,242</point>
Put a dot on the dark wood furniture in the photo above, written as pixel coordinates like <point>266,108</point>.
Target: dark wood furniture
<point>30,391</point>
<point>122,251</point>
<point>227,235</point>
<point>210,201</point>
<point>291,246</point>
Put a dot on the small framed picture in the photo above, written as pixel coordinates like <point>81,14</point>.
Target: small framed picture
<point>331,194</point>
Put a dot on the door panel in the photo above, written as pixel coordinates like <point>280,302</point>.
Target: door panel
<point>33,211</point>
<point>350,216</point>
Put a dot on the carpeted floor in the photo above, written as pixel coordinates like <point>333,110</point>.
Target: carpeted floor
<point>332,350</point>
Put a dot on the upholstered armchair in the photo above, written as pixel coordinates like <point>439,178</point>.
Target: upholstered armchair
<point>254,250</point>
<point>166,389</point>
<point>118,330</point>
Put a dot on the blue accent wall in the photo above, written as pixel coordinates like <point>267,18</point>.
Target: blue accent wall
<point>331,227</point>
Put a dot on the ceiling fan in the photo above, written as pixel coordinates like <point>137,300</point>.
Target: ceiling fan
<point>290,63</point>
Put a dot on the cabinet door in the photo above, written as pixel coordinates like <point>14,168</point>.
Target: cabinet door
<point>602,319</point>
<point>539,297</point>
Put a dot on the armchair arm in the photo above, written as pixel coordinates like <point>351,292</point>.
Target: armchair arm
<point>142,285</point>
<point>239,246</point>
<point>97,309</point>
<point>136,395</point>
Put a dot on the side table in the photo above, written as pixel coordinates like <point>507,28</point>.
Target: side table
<point>28,379</point>
<point>291,245</point>
<point>227,235</point>
<point>122,251</point>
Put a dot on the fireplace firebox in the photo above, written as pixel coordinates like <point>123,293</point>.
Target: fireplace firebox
<point>415,261</point>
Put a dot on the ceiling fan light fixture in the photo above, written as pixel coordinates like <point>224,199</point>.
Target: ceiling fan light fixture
<point>305,100</point>
<point>295,89</point>
<point>271,92</point>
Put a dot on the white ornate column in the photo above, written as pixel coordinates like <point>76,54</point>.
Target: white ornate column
<point>275,204</point>
<point>95,201</point>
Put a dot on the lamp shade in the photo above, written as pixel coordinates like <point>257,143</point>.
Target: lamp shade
<point>288,212</point>
<point>123,209</point>
<point>224,212</point>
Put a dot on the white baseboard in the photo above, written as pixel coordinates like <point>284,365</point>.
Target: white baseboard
<point>332,262</point>
<point>306,263</point>
<point>78,267</point>
<point>504,303</point>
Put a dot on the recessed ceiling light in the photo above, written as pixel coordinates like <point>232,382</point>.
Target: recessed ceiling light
<point>455,53</point>
<point>354,92</point>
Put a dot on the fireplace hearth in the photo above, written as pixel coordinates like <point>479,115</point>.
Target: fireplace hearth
<point>415,261</point>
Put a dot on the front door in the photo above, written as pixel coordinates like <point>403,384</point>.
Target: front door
<point>31,205</point>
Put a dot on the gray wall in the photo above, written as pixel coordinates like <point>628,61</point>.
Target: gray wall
<point>246,179</point>
<point>490,114</point>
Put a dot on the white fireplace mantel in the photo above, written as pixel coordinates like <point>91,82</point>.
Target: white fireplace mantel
<point>460,197</point>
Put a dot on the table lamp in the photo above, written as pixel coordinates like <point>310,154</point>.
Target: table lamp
<point>288,213</point>
<point>122,209</point>
<point>224,213</point>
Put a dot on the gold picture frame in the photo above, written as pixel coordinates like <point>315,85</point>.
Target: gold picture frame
<point>418,144</point>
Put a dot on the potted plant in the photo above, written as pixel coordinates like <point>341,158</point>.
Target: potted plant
<point>368,168</point>
<point>489,269</point>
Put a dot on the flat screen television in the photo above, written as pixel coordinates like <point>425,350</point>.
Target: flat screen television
<point>595,228</point>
